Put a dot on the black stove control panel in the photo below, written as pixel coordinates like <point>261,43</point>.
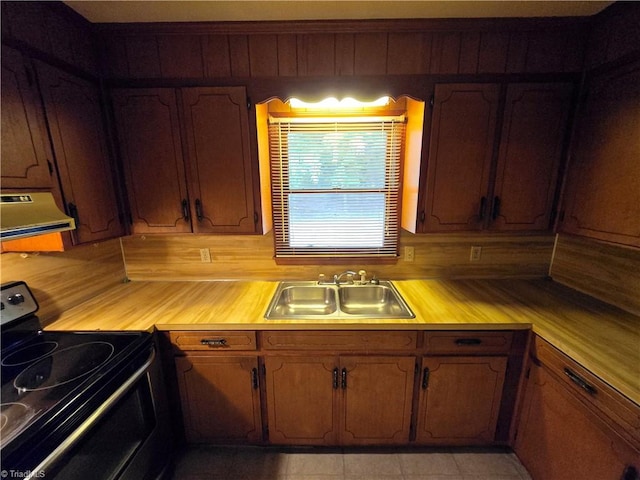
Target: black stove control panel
<point>17,302</point>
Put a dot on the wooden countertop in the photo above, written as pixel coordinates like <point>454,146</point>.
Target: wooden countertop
<point>602,338</point>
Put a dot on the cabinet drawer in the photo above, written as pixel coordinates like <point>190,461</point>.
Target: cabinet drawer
<point>594,392</point>
<point>464,343</point>
<point>349,341</point>
<point>213,340</point>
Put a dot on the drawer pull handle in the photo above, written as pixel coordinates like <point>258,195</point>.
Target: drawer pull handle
<point>468,341</point>
<point>344,378</point>
<point>214,342</point>
<point>581,382</point>
<point>335,378</point>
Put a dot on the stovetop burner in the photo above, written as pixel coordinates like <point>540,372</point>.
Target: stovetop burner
<point>53,380</point>
<point>63,366</point>
<point>29,354</point>
<point>13,417</point>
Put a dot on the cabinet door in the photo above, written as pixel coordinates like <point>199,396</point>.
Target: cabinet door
<point>463,130</point>
<point>220,398</point>
<point>24,137</point>
<point>148,132</point>
<point>460,400</point>
<point>75,119</point>
<point>219,159</point>
<point>301,400</point>
<point>558,438</point>
<point>602,198</point>
<point>377,400</point>
<point>533,134</point>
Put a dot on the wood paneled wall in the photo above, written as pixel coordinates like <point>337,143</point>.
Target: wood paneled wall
<point>51,30</point>
<point>603,270</point>
<point>244,257</point>
<point>342,48</point>
<point>62,280</point>
<point>614,35</point>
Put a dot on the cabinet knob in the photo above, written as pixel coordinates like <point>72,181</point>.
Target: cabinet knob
<point>425,378</point>
<point>495,211</point>
<point>199,214</point>
<point>73,212</point>
<point>185,209</point>
<point>254,378</point>
<point>483,206</point>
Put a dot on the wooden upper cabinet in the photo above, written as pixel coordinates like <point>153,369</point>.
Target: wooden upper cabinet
<point>25,152</point>
<point>79,137</point>
<point>219,159</point>
<point>148,132</point>
<point>187,159</point>
<point>602,196</point>
<point>481,175</point>
<point>460,152</point>
<point>533,133</point>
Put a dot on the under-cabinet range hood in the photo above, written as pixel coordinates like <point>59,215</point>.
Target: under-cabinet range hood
<point>29,214</point>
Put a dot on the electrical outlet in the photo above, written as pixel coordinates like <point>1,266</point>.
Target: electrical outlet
<point>475,254</point>
<point>409,254</point>
<point>205,255</point>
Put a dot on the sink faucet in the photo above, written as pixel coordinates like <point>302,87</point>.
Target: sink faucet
<point>350,273</point>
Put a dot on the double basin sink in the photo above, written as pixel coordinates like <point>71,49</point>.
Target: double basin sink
<point>312,301</point>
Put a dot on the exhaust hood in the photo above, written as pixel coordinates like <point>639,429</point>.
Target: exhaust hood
<point>29,214</point>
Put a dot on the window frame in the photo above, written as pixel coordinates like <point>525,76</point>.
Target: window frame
<point>394,125</point>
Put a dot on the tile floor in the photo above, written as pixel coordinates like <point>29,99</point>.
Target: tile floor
<point>220,463</point>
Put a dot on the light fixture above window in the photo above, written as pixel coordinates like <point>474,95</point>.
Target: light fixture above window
<point>333,103</point>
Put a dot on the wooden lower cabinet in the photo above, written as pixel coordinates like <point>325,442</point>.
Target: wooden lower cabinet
<point>560,438</point>
<point>301,401</point>
<point>459,399</point>
<point>346,400</point>
<point>220,398</point>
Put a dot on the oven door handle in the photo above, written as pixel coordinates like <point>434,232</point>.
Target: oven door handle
<point>79,432</point>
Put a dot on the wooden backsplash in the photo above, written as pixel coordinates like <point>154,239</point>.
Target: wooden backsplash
<point>61,280</point>
<point>244,257</point>
<point>603,270</point>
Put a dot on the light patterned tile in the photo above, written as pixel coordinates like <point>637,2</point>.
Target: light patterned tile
<point>428,464</point>
<point>315,463</point>
<point>382,464</point>
<point>203,460</point>
<point>258,464</point>
<point>486,463</point>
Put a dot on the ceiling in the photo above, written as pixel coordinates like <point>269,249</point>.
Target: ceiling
<point>125,11</point>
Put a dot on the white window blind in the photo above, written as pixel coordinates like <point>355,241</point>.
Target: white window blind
<point>336,185</point>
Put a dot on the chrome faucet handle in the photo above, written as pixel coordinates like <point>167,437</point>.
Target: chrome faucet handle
<point>349,273</point>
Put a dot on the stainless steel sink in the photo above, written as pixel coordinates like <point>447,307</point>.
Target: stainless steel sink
<point>309,300</point>
<point>300,300</point>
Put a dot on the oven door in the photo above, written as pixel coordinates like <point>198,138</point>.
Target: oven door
<point>119,441</point>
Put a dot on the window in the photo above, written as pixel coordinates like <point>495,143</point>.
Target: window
<point>336,185</point>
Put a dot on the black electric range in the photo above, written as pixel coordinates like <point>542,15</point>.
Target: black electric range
<point>52,381</point>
